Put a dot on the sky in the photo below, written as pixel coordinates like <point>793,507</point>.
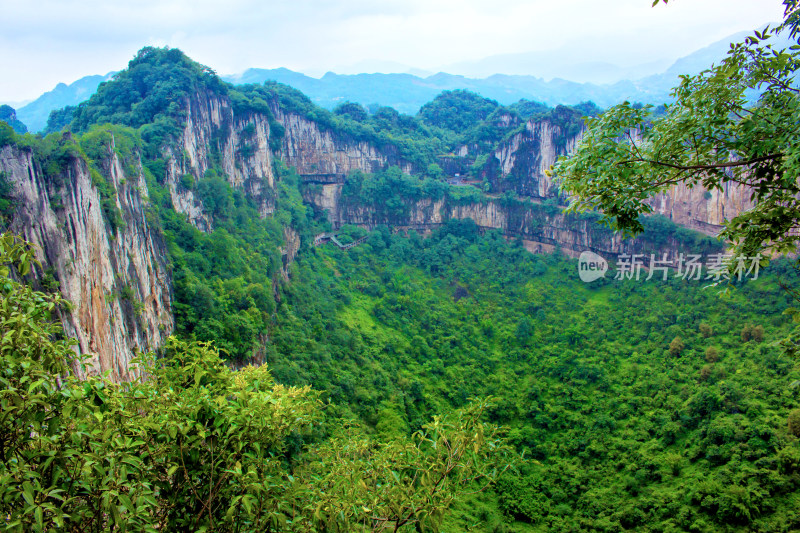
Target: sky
<point>47,42</point>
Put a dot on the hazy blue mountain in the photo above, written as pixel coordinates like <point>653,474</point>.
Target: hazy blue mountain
<point>571,62</point>
<point>16,104</point>
<point>408,92</point>
<point>35,114</point>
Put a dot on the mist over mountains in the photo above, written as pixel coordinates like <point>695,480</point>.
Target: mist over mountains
<point>407,92</point>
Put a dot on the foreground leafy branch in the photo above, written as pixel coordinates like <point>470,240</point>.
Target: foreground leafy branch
<point>406,482</point>
<point>734,124</point>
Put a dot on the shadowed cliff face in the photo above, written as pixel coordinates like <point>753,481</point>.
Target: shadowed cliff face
<point>543,227</point>
<point>117,280</point>
<point>520,163</point>
<point>212,133</point>
<point>241,147</point>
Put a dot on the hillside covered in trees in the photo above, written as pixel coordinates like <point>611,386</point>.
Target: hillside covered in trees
<point>657,405</point>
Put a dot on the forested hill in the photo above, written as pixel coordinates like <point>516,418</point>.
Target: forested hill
<point>173,203</point>
<point>168,150</point>
<point>522,79</point>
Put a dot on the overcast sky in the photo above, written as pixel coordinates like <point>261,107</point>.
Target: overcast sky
<point>46,42</point>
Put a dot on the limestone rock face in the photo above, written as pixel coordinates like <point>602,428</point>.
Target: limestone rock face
<point>520,163</point>
<point>289,250</point>
<point>116,278</point>
<point>703,210</point>
<point>543,227</point>
<point>214,134</point>
<point>319,153</point>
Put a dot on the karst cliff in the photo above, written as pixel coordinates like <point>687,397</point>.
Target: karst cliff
<point>117,274</point>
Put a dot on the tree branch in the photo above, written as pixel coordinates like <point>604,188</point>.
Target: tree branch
<point>730,164</point>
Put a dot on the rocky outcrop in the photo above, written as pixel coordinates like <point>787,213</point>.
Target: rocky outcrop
<point>213,135</point>
<point>543,226</point>
<point>116,273</point>
<point>289,250</point>
<point>117,278</point>
<point>322,155</point>
<point>114,270</point>
<point>520,164</point>
<point>703,210</point>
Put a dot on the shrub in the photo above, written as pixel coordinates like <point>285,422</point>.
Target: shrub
<point>7,135</point>
<point>187,181</point>
<point>750,332</point>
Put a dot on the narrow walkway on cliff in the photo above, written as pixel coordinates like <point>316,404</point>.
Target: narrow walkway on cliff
<point>323,238</point>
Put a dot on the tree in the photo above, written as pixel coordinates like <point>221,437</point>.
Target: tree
<point>734,123</point>
<point>59,119</point>
<point>352,111</point>
<point>712,354</point>
<point>195,445</point>
<point>435,171</point>
<point>676,346</point>
<point>794,422</point>
<point>9,115</point>
<point>457,110</point>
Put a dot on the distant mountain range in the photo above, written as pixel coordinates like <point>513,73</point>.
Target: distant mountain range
<point>34,115</point>
<point>408,92</point>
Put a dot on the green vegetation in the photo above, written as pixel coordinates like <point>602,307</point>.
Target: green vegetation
<point>457,110</point>
<point>53,154</point>
<point>151,95</point>
<point>733,124</point>
<point>675,416</point>
<point>195,446</point>
<point>7,135</point>
<point>464,118</point>
<point>59,119</point>
<point>224,280</point>
<point>6,201</point>
<point>528,109</point>
<point>661,231</point>
<point>651,406</point>
<point>413,141</point>
<point>390,193</point>
<point>9,116</point>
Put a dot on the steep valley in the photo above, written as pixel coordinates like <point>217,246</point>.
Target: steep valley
<point>219,135</point>
<point>176,205</point>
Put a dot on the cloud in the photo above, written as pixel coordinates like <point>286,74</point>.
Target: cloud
<point>46,42</point>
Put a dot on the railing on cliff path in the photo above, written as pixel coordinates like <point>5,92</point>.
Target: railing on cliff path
<point>323,238</point>
<point>324,179</point>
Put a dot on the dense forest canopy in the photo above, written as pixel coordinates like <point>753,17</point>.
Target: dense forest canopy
<point>632,416</point>
<point>193,445</point>
<point>451,381</point>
